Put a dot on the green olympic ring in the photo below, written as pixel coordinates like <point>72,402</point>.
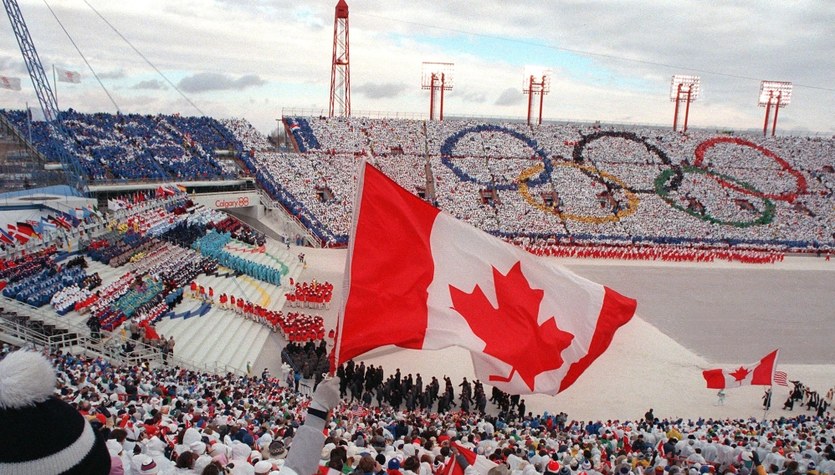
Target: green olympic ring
<point>766,216</point>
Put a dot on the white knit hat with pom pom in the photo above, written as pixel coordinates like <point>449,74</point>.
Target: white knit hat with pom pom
<point>41,433</point>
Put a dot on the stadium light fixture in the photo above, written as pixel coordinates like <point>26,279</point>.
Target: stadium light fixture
<point>777,94</point>
<point>340,93</point>
<point>536,80</point>
<point>437,78</point>
<point>684,89</point>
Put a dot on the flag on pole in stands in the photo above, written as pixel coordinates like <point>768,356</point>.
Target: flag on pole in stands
<point>47,225</point>
<point>479,463</point>
<point>6,237</point>
<point>756,374</point>
<point>26,228</point>
<point>65,75</point>
<point>19,236</point>
<point>781,378</point>
<point>60,221</point>
<point>12,84</point>
<point>419,278</point>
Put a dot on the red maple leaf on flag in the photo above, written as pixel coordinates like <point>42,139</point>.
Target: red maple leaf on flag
<point>740,373</point>
<point>511,331</point>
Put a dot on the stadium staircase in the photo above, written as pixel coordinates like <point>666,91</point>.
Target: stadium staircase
<point>221,338</point>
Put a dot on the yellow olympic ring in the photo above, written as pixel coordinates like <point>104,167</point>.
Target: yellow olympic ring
<point>631,198</point>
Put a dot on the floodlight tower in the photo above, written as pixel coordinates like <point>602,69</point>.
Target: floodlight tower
<point>536,81</point>
<point>777,93</point>
<point>340,65</point>
<point>437,78</point>
<point>683,89</point>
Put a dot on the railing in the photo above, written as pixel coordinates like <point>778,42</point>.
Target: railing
<point>302,112</point>
<point>20,333</point>
<point>109,345</point>
<point>23,140</point>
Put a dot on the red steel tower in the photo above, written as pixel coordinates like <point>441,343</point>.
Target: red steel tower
<point>437,78</point>
<point>536,81</point>
<point>340,101</point>
<point>777,94</point>
<point>684,89</point>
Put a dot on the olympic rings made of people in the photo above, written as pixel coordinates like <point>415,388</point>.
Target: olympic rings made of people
<point>449,145</point>
<point>578,154</point>
<point>787,196</point>
<point>631,198</point>
<point>766,216</point>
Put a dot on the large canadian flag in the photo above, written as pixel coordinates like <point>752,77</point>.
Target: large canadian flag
<point>760,373</point>
<point>418,278</point>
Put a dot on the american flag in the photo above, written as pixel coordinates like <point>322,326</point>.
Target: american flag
<point>780,378</point>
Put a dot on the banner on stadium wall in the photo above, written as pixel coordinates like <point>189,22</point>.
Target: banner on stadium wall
<point>227,200</point>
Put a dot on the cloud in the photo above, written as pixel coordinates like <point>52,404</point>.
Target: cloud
<point>610,62</point>
<point>10,63</point>
<point>113,74</point>
<point>510,97</point>
<point>308,17</point>
<point>381,90</point>
<point>203,82</point>
<point>152,84</point>
<point>473,96</point>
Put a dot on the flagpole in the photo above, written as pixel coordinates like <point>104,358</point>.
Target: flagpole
<point>766,407</point>
<point>55,83</point>
<point>29,120</point>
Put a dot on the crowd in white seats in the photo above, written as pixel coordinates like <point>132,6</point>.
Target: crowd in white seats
<point>249,136</point>
<point>611,184</point>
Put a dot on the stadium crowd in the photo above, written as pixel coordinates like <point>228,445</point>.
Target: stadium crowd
<point>136,147</point>
<point>569,183</point>
<point>154,240</point>
<point>174,421</point>
<point>576,183</point>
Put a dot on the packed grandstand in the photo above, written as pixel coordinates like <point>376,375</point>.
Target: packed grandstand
<point>541,187</point>
<point>133,275</point>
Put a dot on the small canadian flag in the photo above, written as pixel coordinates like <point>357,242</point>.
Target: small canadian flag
<point>760,373</point>
<point>418,278</point>
<point>65,75</point>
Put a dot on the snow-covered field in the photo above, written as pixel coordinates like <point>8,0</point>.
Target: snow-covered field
<point>690,317</point>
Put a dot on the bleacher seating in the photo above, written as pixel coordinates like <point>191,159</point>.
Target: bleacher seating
<point>565,183</point>
<point>133,147</point>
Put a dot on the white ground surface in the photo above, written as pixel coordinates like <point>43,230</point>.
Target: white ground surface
<point>690,317</point>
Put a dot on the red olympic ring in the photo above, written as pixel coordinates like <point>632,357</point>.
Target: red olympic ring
<point>787,196</point>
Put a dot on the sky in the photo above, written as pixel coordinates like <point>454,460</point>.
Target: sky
<point>610,60</point>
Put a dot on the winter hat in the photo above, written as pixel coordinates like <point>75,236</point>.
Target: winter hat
<point>276,448</point>
<point>147,466</point>
<point>553,467</point>
<point>27,405</point>
<point>113,447</point>
<point>197,447</point>
<point>263,467</point>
